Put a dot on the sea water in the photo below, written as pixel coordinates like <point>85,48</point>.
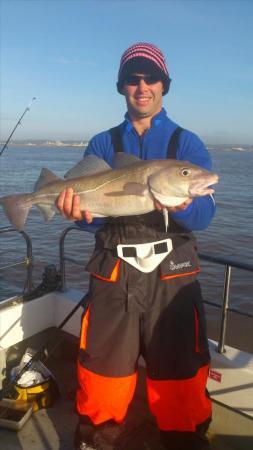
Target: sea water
<point>229,236</point>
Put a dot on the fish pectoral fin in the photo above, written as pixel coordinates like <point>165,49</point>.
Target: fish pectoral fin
<point>89,165</point>
<point>47,211</point>
<point>130,188</point>
<point>121,160</point>
<point>46,177</point>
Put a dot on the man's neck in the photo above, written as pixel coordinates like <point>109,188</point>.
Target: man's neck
<point>141,125</point>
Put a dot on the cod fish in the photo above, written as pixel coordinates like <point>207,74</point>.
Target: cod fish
<point>129,188</point>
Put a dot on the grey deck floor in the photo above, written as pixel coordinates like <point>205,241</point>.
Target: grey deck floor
<point>53,428</point>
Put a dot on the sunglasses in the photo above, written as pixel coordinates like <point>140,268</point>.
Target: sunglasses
<point>134,80</point>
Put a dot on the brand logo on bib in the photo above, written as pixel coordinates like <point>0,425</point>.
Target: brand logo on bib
<point>182,265</point>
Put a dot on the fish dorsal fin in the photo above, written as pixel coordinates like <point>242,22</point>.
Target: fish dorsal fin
<point>121,160</point>
<point>89,165</point>
<point>46,177</point>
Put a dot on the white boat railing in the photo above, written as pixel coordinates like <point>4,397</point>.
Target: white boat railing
<point>27,261</point>
<point>224,306</point>
<point>227,263</point>
<point>64,258</point>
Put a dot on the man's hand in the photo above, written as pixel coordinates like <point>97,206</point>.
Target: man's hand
<point>181,207</point>
<point>69,206</point>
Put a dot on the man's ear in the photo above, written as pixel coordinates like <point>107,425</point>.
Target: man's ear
<point>120,88</point>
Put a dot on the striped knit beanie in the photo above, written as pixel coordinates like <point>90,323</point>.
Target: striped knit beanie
<point>145,58</point>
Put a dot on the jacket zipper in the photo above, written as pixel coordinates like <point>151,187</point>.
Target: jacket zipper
<point>140,146</point>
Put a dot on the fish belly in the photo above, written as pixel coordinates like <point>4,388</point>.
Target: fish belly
<point>116,205</point>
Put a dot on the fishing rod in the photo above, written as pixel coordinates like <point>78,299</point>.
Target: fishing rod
<point>17,124</point>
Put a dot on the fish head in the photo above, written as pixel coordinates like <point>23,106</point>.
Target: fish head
<point>180,180</point>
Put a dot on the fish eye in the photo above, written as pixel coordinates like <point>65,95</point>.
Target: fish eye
<point>186,172</point>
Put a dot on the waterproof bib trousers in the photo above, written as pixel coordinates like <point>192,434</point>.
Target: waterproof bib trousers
<point>158,315</point>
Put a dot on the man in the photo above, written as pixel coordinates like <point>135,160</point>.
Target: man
<point>157,314</point>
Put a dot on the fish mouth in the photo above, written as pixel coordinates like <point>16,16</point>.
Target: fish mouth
<point>203,187</point>
<point>200,191</point>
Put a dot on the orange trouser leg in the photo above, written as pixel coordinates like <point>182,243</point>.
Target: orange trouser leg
<point>101,397</point>
<point>104,398</point>
<point>180,405</point>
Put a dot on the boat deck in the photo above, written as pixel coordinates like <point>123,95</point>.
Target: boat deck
<point>53,428</point>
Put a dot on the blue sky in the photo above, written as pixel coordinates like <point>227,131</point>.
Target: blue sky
<point>66,53</point>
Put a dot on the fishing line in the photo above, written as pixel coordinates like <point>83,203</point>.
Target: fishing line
<point>17,124</point>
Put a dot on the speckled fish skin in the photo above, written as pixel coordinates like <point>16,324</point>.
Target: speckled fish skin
<point>125,191</point>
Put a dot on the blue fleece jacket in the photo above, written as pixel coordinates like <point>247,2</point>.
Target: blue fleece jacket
<point>153,145</point>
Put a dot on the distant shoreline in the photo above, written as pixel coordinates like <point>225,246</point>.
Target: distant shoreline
<point>47,143</point>
<point>84,144</point>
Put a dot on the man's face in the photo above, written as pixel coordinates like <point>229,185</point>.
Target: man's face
<point>143,100</point>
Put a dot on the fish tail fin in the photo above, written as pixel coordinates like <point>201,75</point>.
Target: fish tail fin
<point>16,208</point>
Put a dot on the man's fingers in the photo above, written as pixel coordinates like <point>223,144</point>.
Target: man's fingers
<point>158,205</point>
<point>69,206</point>
<point>68,203</point>
<point>186,204</point>
<point>88,216</point>
<point>76,213</point>
<point>60,200</point>
<point>181,207</point>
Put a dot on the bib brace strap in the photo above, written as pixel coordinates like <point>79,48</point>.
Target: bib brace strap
<point>143,256</point>
<point>158,315</point>
<point>171,148</point>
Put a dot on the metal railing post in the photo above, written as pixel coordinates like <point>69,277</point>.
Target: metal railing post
<point>224,311</point>
<point>63,258</point>
<point>28,261</point>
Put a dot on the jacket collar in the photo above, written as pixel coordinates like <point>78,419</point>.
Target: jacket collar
<point>156,120</point>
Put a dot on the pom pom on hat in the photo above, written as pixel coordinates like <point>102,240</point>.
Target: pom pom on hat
<point>143,58</point>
